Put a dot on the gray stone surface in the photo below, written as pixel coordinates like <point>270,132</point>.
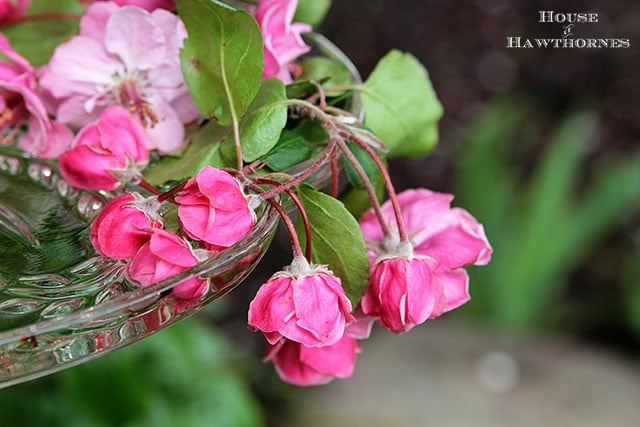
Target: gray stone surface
<point>450,374</point>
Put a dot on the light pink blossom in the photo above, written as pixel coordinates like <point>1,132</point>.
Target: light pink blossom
<point>106,153</point>
<point>123,56</point>
<point>304,303</point>
<point>282,40</point>
<point>410,284</point>
<point>12,10</point>
<point>149,5</point>
<point>20,104</point>
<point>124,225</point>
<point>163,256</point>
<point>306,366</point>
<point>214,209</point>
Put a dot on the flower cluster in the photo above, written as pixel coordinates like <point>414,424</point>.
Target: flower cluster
<point>186,129</point>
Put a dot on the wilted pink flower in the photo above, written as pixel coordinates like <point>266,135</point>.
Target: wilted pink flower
<point>149,5</point>
<point>124,225</point>
<point>12,10</point>
<point>124,56</point>
<point>163,256</point>
<point>214,209</point>
<point>360,327</point>
<point>305,366</point>
<point>106,153</point>
<point>306,304</point>
<point>20,104</point>
<point>410,285</point>
<point>403,292</point>
<point>281,38</point>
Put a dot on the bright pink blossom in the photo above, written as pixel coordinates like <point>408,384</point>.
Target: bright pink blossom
<point>106,152</point>
<point>214,209</point>
<point>149,5</point>
<point>20,105</point>
<point>123,56</point>
<point>305,366</point>
<point>403,292</point>
<point>409,286</point>
<point>305,304</point>
<point>124,225</point>
<point>12,10</point>
<point>163,256</point>
<point>282,40</point>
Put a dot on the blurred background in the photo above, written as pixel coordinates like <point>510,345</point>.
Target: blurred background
<point>542,147</point>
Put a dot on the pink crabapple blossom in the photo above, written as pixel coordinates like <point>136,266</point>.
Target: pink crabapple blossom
<point>20,104</point>
<point>124,225</point>
<point>413,281</point>
<point>163,256</point>
<point>123,56</point>
<point>304,303</point>
<point>282,40</point>
<point>306,366</point>
<point>107,152</point>
<point>12,10</point>
<point>148,5</point>
<point>213,208</point>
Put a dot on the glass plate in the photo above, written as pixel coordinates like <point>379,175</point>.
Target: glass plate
<point>60,305</point>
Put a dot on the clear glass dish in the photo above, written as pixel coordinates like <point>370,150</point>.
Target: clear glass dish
<point>60,304</point>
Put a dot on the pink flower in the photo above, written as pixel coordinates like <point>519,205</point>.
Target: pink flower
<point>124,56</point>
<point>305,366</point>
<point>410,284</point>
<point>106,153</point>
<point>163,256</point>
<point>403,292</point>
<point>149,5</point>
<point>124,225</point>
<point>214,209</point>
<point>282,40</point>
<point>12,10</point>
<point>20,105</point>
<point>305,304</point>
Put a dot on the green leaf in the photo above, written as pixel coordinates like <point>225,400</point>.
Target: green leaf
<point>37,40</point>
<point>222,59</point>
<point>330,72</point>
<point>367,164</point>
<point>204,149</point>
<point>336,240</point>
<point>401,105</point>
<point>261,127</point>
<point>291,149</point>
<point>312,11</point>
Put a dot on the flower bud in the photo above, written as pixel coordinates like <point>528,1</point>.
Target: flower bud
<point>305,304</point>
<point>123,225</point>
<point>106,152</point>
<point>163,256</point>
<point>214,209</point>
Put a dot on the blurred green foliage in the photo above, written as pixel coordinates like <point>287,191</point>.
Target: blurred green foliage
<point>187,375</point>
<point>544,212</point>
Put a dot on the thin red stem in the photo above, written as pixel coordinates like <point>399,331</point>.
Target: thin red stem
<point>377,209</point>
<point>297,251</point>
<point>51,16</point>
<point>304,175</point>
<point>387,180</point>
<point>303,214</point>
<point>172,192</point>
<point>334,177</point>
<point>150,188</point>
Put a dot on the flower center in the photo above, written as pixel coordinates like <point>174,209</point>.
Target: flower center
<point>14,112</point>
<point>131,97</point>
